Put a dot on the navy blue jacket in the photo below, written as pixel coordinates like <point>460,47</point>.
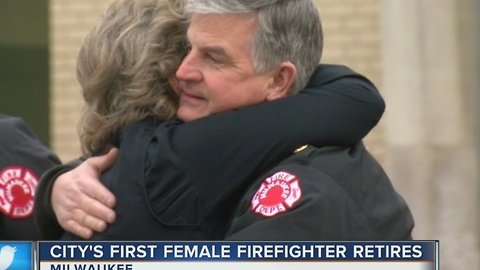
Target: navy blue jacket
<point>23,159</point>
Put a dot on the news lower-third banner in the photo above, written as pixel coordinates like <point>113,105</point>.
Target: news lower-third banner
<point>91,255</point>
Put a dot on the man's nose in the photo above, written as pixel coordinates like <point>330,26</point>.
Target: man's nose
<point>189,69</point>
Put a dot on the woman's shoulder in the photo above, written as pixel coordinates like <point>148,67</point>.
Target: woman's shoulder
<point>138,130</point>
<point>143,124</point>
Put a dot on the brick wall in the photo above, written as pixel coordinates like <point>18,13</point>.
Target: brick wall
<point>69,23</point>
<point>351,38</point>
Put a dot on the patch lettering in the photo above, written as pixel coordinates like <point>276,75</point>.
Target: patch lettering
<point>17,190</point>
<point>277,194</point>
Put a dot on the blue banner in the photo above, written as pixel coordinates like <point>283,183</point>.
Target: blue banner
<point>237,251</point>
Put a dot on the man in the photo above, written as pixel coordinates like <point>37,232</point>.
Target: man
<point>221,73</point>
<point>23,158</point>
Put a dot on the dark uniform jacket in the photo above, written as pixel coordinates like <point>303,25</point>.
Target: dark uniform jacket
<point>177,180</point>
<point>23,158</point>
<point>323,194</point>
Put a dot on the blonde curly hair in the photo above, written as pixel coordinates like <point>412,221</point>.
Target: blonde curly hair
<point>124,66</point>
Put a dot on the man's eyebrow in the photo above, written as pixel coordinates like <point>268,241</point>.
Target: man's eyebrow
<point>213,49</point>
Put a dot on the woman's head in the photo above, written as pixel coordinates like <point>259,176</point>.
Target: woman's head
<point>124,66</point>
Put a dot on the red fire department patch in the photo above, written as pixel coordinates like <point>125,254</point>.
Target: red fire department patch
<point>277,194</point>
<point>17,188</point>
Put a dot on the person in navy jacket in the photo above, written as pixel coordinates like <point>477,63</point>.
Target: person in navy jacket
<point>23,159</point>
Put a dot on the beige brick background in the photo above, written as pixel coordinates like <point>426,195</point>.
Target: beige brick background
<point>440,181</point>
<point>69,23</point>
<point>352,37</point>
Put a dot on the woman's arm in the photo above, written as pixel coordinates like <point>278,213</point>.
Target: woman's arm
<point>224,152</point>
<point>43,214</point>
<point>71,197</point>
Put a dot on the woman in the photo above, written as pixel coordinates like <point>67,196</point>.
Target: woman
<point>178,181</point>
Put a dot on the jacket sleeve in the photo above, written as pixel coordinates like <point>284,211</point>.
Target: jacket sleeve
<point>21,148</point>
<point>317,219</point>
<point>328,215</point>
<point>331,194</point>
<point>221,154</point>
<point>319,211</point>
<point>43,212</point>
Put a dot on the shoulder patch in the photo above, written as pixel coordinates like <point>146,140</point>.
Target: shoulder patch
<point>17,189</point>
<point>277,194</point>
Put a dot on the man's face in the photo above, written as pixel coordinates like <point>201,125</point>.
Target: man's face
<point>217,75</point>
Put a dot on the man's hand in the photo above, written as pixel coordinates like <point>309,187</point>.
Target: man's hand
<point>80,201</point>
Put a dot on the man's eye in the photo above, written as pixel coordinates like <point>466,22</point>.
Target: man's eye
<point>212,59</point>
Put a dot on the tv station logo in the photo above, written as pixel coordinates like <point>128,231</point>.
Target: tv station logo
<point>16,256</point>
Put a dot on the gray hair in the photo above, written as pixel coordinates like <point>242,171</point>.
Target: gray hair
<point>288,30</point>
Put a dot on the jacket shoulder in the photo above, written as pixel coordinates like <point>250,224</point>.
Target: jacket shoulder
<point>18,142</point>
<point>343,189</point>
<point>13,129</point>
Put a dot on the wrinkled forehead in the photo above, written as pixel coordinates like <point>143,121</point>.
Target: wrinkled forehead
<point>227,28</point>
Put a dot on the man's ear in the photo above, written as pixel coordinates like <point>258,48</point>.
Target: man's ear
<point>283,78</point>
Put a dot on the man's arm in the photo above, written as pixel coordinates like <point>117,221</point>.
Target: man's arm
<point>44,216</point>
